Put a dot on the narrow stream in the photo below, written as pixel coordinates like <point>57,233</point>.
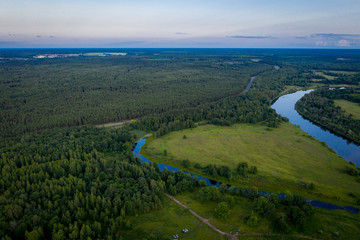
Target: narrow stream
<point>285,106</point>
<point>210,182</point>
<point>250,83</point>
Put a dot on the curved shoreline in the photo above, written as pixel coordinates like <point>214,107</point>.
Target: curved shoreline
<point>326,128</point>
<point>285,106</point>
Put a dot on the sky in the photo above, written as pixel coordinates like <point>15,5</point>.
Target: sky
<point>180,23</point>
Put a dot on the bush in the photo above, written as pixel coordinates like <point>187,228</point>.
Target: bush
<point>263,206</point>
<point>208,193</point>
<point>253,220</point>
<point>297,217</point>
<point>280,223</point>
<point>222,210</point>
<point>186,163</point>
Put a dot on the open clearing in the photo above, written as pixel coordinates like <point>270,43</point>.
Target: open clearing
<point>323,74</point>
<point>328,221</point>
<point>286,157</point>
<point>349,107</point>
<point>169,220</point>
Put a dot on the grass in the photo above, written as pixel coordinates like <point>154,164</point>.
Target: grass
<point>323,74</point>
<point>285,157</point>
<point>172,218</point>
<point>138,133</point>
<point>290,89</point>
<point>349,107</point>
<point>327,221</point>
<point>169,220</point>
<point>343,72</point>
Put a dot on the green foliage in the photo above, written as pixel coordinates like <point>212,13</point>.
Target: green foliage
<point>269,152</point>
<point>319,107</point>
<point>84,183</point>
<point>243,169</point>
<point>216,171</point>
<point>281,223</point>
<point>264,206</point>
<point>186,163</point>
<point>289,197</point>
<point>223,187</point>
<point>252,220</point>
<point>230,200</point>
<point>209,194</point>
<point>157,236</point>
<point>71,188</point>
<point>351,170</point>
<point>297,217</point>
<point>222,210</point>
<point>68,92</point>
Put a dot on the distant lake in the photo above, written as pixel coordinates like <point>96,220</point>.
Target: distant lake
<point>285,106</point>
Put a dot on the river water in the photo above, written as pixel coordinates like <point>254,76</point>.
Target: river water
<point>284,106</point>
<point>250,83</point>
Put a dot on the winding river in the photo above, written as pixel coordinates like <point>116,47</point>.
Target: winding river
<point>285,106</point>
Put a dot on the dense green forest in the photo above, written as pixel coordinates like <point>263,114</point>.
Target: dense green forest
<point>83,183</point>
<point>59,184</point>
<point>319,107</point>
<point>46,93</point>
<point>62,178</point>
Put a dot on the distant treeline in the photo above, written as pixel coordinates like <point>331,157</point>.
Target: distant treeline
<point>252,107</point>
<point>67,182</point>
<point>168,85</point>
<point>46,93</point>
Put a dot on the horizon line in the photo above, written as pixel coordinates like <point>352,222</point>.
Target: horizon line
<point>304,48</point>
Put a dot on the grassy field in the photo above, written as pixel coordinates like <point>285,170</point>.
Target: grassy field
<point>286,157</point>
<point>349,107</point>
<point>169,220</point>
<point>323,74</point>
<point>343,72</point>
<point>326,221</point>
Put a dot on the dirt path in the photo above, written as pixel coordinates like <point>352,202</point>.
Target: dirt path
<point>203,220</point>
<point>233,236</point>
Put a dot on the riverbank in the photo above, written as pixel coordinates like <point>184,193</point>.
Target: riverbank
<point>285,107</point>
<point>319,107</point>
<point>286,158</point>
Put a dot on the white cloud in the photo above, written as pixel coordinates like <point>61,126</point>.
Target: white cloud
<point>321,43</point>
<point>343,43</point>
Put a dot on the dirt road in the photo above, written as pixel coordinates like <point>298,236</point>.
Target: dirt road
<point>233,236</point>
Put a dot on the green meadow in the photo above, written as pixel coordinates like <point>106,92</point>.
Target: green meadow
<point>171,218</point>
<point>326,221</point>
<point>286,157</point>
<point>323,74</point>
<point>349,107</point>
<point>168,221</point>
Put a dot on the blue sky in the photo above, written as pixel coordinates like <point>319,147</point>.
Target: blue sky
<point>180,23</point>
